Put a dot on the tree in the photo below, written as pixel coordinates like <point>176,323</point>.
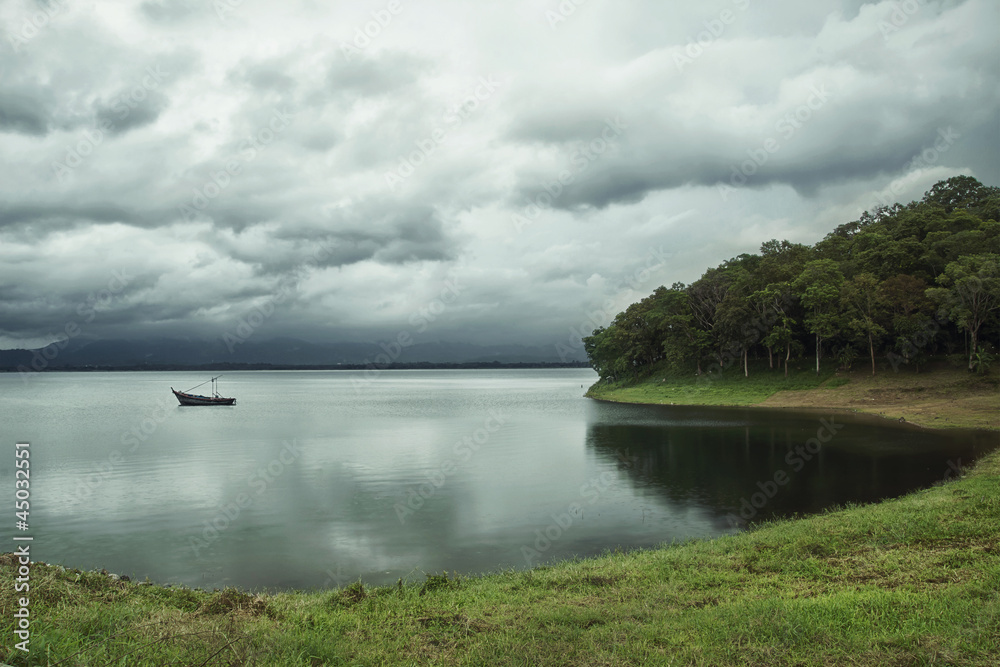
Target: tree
<point>970,294</point>
<point>846,356</point>
<point>960,234</point>
<point>781,261</point>
<point>636,329</point>
<point>960,192</point>
<point>781,335</point>
<point>734,317</point>
<point>910,310</point>
<point>682,340</point>
<point>818,286</point>
<point>706,294</point>
<point>863,297</point>
<point>604,353</point>
<point>778,299</point>
<point>883,255</point>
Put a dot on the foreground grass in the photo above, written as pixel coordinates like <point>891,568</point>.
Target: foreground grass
<point>945,397</point>
<point>908,581</point>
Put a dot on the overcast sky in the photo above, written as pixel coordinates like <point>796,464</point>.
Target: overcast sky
<point>452,170</point>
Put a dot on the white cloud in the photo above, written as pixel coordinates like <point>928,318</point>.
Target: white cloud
<point>477,109</point>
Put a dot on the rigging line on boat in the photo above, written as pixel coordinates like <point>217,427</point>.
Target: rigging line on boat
<point>205,382</point>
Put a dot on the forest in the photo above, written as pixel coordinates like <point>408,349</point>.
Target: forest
<point>900,285</point>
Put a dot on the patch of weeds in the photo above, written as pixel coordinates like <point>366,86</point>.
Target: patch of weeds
<point>180,598</point>
<point>602,582</point>
<point>818,549</point>
<point>700,603</point>
<point>385,591</point>
<point>958,559</point>
<point>233,601</point>
<point>436,582</point>
<point>460,622</point>
<point>351,595</point>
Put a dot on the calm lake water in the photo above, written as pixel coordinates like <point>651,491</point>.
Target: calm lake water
<point>317,478</point>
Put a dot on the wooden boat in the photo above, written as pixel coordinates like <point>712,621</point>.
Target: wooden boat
<point>187,398</point>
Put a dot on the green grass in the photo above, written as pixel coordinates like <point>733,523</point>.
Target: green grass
<point>908,581</point>
<point>833,383</point>
<point>729,387</point>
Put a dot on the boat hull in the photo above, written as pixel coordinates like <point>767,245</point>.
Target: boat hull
<point>195,399</point>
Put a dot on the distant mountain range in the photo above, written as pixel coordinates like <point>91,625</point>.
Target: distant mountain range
<point>81,353</point>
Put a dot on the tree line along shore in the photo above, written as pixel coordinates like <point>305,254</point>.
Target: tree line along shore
<point>899,286</point>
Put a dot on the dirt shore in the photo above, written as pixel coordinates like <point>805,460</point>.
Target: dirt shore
<point>944,398</point>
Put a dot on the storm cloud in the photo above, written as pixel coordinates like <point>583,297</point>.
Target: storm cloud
<point>551,162</point>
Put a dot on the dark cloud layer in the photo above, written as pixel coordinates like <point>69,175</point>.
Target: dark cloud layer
<point>20,112</point>
<point>169,165</point>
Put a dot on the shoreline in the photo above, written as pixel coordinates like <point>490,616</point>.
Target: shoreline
<point>809,410</point>
<point>938,399</point>
<point>793,408</point>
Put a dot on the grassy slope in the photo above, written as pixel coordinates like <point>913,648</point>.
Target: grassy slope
<point>907,581</point>
<point>946,397</point>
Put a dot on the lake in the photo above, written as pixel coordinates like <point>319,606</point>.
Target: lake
<point>316,478</point>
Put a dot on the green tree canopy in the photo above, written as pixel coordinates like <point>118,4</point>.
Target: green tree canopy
<point>899,281</point>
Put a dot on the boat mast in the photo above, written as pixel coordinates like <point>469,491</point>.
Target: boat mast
<point>214,392</point>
